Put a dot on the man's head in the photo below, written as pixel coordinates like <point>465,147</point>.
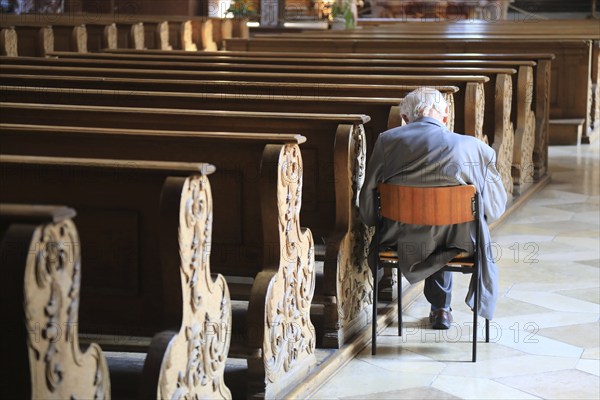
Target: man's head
<point>424,102</point>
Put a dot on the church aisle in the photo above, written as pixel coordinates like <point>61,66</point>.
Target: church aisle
<point>544,340</point>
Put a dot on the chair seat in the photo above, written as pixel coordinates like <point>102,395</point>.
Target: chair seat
<point>462,259</point>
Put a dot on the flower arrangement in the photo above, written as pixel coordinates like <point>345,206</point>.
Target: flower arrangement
<point>242,8</point>
<point>344,9</point>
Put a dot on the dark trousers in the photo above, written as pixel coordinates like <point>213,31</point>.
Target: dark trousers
<point>438,289</point>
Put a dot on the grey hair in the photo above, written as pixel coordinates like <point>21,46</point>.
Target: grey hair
<point>420,101</point>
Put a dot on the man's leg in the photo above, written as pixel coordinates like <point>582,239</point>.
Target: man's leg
<point>438,291</point>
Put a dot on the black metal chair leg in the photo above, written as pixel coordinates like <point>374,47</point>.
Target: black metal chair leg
<point>475,312</point>
<point>374,323</point>
<point>487,330</point>
<point>399,304</point>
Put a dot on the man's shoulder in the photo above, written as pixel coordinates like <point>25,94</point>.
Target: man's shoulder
<point>471,141</point>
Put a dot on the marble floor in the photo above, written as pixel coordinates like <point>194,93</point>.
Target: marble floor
<point>545,334</point>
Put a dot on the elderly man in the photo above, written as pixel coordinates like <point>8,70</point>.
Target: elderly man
<point>425,153</point>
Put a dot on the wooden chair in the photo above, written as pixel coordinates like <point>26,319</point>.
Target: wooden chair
<point>432,206</point>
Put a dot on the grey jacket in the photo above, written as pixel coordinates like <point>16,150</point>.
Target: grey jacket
<point>426,153</point>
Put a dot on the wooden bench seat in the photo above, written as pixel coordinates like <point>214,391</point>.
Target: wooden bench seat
<point>40,253</point>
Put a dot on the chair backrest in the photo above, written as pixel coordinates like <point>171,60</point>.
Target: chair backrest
<point>442,205</point>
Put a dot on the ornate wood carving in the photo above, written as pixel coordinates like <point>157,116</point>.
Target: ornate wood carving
<point>475,110</point>
<point>596,107</point>
<point>191,364</point>
<point>355,282</point>
<point>8,42</point>
<point>596,87</point>
<point>110,36</point>
<point>504,137</point>
<point>80,39</point>
<point>347,274</point>
<point>286,334</point>
<point>137,36</point>
<point>206,35</point>
<point>542,115</point>
<point>522,165</point>
<point>162,36</point>
<point>186,36</point>
<point>52,281</point>
<point>450,121</point>
<point>46,41</point>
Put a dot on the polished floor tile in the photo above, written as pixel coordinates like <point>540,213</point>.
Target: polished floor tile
<point>545,336</point>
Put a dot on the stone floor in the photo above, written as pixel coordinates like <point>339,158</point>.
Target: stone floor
<point>545,335</point>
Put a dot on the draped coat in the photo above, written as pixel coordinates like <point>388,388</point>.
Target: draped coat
<point>425,153</point>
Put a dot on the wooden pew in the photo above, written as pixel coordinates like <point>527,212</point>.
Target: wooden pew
<point>571,68</point>
<point>91,37</point>
<point>469,96</point>
<point>34,41</point>
<point>159,32</point>
<point>263,324</point>
<point>473,122</point>
<point>240,88</point>
<point>328,199</point>
<point>40,252</point>
<point>520,26</point>
<point>523,117</point>
<point>40,38</point>
<point>540,93</point>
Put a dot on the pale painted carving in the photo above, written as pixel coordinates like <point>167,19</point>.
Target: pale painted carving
<point>206,33</point>
<point>187,43</point>
<point>354,280</point>
<point>46,40</point>
<point>194,363</point>
<point>80,39</point>
<point>8,42</point>
<point>137,36</point>
<point>475,110</point>
<point>522,166</point>
<point>589,115</point>
<point>289,338</point>
<point>542,115</point>
<point>596,100</point>
<point>480,113</point>
<point>348,283</point>
<point>162,35</point>
<point>596,107</point>
<point>504,137</point>
<point>110,36</point>
<point>450,121</point>
<point>52,282</point>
